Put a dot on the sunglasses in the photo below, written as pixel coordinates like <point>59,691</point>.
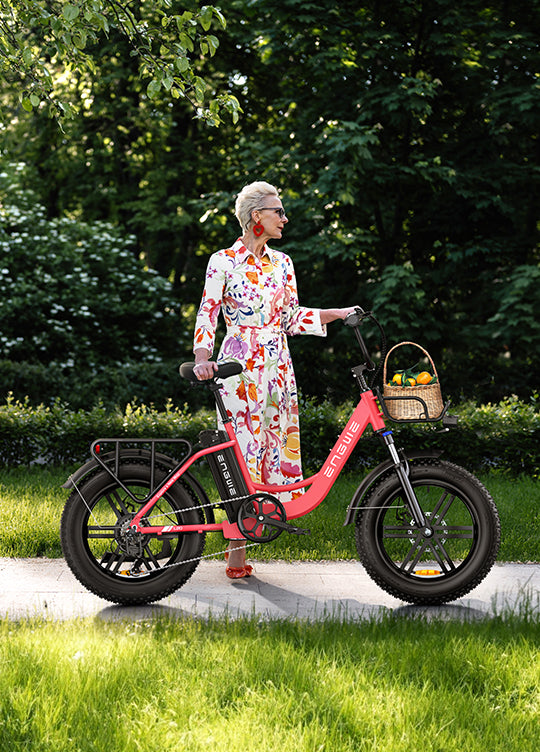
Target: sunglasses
<point>277,209</point>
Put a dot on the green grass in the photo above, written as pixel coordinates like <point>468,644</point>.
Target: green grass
<point>394,684</point>
<point>31,501</point>
<point>389,683</point>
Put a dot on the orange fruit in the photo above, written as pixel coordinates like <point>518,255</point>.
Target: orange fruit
<point>410,382</point>
<point>423,378</point>
<point>397,379</point>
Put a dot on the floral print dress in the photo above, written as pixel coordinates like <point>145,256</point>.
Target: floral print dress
<point>259,302</point>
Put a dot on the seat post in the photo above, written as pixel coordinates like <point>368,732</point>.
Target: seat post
<point>215,389</point>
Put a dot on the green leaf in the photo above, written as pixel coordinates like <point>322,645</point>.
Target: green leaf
<point>200,89</point>
<point>220,17</point>
<point>153,89</point>
<point>181,64</point>
<point>207,13</point>
<point>213,44</point>
<point>27,56</point>
<point>187,42</point>
<point>79,39</point>
<point>70,12</point>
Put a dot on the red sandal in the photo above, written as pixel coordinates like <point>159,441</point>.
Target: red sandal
<point>236,573</point>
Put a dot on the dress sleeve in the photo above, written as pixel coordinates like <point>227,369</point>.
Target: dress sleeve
<point>207,316</point>
<point>297,319</point>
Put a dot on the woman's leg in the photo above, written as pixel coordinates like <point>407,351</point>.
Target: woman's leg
<point>236,553</point>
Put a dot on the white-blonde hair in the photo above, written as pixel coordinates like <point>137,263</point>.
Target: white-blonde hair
<point>251,197</point>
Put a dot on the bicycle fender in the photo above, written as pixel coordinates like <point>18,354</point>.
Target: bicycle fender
<point>375,474</point>
<point>73,481</point>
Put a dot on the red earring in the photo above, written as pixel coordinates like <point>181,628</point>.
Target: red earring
<point>258,229</point>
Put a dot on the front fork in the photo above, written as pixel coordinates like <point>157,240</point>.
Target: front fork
<point>402,469</point>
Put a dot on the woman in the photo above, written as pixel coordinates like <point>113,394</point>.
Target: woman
<point>255,288</point>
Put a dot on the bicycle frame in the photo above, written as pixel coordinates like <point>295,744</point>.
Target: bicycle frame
<point>423,557</point>
<point>366,413</point>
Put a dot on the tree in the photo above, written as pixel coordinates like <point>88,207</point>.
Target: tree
<point>403,136</point>
<point>78,311</point>
<point>41,40</point>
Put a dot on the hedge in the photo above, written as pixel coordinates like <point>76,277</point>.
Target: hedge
<point>503,436</point>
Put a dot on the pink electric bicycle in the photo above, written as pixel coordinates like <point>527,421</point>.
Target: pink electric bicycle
<point>133,529</point>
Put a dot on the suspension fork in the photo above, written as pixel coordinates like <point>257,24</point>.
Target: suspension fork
<point>402,469</point>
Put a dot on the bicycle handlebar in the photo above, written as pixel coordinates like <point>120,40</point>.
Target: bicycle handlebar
<point>356,318</point>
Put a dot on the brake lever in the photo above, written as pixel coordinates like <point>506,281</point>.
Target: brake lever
<point>356,318</point>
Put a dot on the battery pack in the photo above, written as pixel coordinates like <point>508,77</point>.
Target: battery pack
<point>223,464</point>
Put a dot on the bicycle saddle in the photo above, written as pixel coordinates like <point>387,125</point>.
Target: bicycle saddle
<point>224,371</point>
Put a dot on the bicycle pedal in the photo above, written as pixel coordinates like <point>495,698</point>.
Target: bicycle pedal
<point>297,530</point>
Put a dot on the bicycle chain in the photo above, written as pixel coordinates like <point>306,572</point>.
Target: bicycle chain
<point>173,511</point>
<point>205,556</point>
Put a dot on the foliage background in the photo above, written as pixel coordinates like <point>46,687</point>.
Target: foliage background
<point>503,437</point>
<point>404,139</point>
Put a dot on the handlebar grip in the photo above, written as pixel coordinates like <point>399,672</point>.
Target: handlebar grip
<point>224,371</point>
<point>355,318</point>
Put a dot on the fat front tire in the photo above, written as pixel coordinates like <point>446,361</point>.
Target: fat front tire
<point>115,566</point>
<point>456,554</point>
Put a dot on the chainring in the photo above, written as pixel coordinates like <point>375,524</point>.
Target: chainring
<point>255,518</point>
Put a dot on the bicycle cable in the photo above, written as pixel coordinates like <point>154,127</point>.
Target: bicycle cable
<point>384,350</point>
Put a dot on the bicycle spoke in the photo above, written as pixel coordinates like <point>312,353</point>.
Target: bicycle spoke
<point>445,561</point>
<point>95,532</point>
<point>447,528</point>
<point>111,561</point>
<point>119,509</point>
<point>456,532</point>
<point>150,557</point>
<point>437,511</point>
<point>409,562</point>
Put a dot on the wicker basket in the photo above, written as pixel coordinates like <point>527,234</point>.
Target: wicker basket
<point>403,402</point>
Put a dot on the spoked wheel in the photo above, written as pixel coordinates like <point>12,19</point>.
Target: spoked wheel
<point>111,561</point>
<point>441,561</point>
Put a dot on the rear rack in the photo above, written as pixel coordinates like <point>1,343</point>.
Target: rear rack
<point>109,459</point>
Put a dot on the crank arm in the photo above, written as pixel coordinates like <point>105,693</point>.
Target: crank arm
<point>264,519</point>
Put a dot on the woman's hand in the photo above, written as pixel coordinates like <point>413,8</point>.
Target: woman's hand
<point>332,314</point>
<point>204,368</point>
<point>205,371</point>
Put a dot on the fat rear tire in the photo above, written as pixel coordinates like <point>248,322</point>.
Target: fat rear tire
<point>95,548</point>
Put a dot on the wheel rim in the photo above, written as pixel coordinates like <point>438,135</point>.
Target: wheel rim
<point>452,520</point>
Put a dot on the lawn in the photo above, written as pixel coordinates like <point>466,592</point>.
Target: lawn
<point>31,501</point>
<point>393,684</point>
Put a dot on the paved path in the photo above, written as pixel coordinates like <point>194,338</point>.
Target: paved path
<point>310,590</point>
